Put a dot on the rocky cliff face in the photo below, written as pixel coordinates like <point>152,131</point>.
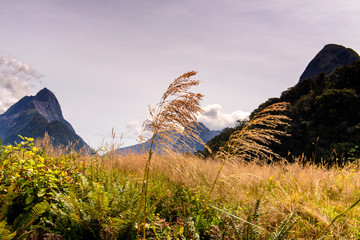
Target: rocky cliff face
<point>328,59</point>
<point>32,116</point>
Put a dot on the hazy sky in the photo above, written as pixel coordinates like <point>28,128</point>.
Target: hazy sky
<point>107,60</point>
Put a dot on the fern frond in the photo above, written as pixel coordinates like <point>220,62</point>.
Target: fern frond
<point>256,211</point>
<point>284,228</point>
<point>7,201</point>
<point>238,218</point>
<point>34,213</point>
<point>5,233</point>
<point>249,231</point>
<point>237,231</point>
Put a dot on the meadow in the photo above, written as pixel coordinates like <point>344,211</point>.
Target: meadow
<point>81,197</point>
<point>245,191</point>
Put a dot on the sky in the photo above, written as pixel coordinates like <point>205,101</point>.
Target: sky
<point>107,60</point>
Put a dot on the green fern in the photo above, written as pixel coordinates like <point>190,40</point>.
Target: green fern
<point>238,235</point>
<point>249,231</point>
<point>99,209</point>
<point>240,231</point>
<point>7,201</point>
<point>33,215</point>
<point>5,233</point>
<point>284,228</point>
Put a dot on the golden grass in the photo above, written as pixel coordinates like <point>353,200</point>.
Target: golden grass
<point>316,193</point>
<point>309,180</point>
<point>174,114</point>
<point>251,142</point>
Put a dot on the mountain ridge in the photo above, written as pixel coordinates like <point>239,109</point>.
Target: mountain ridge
<point>204,133</point>
<point>330,57</point>
<point>33,116</point>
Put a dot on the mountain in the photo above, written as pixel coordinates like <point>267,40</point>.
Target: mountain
<point>328,59</point>
<point>204,133</point>
<point>325,125</point>
<point>325,116</point>
<point>33,116</point>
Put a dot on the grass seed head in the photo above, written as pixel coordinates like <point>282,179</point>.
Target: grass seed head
<point>251,142</point>
<point>176,113</point>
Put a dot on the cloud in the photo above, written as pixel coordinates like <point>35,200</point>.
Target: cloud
<point>16,79</point>
<point>133,130</point>
<point>214,119</point>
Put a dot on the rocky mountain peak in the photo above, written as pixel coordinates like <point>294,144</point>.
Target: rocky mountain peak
<point>47,105</point>
<point>331,57</point>
<point>33,116</point>
<point>44,95</point>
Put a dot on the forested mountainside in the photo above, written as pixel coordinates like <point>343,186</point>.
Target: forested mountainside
<point>325,117</point>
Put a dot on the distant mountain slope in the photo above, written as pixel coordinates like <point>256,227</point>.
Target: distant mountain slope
<point>205,134</point>
<point>32,116</point>
<point>328,59</point>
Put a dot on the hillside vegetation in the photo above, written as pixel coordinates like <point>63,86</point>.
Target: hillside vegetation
<point>325,118</point>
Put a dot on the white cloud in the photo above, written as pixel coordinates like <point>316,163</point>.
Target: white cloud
<point>133,130</point>
<point>214,119</point>
<point>16,78</point>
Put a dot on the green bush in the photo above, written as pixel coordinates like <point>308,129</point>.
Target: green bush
<point>34,177</point>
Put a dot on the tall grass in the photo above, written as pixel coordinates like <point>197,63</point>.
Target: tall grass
<point>251,142</point>
<point>316,194</point>
<point>176,111</point>
<point>101,199</point>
